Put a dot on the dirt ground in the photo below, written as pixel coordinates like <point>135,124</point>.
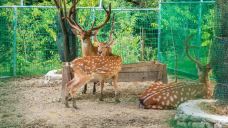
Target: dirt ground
<point>26,102</point>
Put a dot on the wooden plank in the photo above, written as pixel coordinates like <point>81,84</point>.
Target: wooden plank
<point>144,71</point>
<point>137,76</point>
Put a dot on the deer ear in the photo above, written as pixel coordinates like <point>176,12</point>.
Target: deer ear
<point>95,43</point>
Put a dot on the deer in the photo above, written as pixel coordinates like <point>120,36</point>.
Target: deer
<point>88,49</point>
<point>90,68</point>
<point>104,48</point>
<point>169,96</point>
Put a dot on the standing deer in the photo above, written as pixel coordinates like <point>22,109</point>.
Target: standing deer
<point>90,68</point>
<point>166,96</point>
<point>88,49</point>
<point>104,49</point>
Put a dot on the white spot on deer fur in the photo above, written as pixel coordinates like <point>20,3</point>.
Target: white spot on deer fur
<point>167,102</point>
<point>164,97</point>
<point>163,103</point>
<point>171,98</point>
<point>153,106</point>
<point>159,107</point>
<point>175,96</point>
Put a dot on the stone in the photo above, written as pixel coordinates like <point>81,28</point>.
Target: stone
<point>209,125</point>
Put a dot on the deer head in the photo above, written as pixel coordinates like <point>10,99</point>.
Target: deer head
<point>203,70</point>
<point>85,35</point>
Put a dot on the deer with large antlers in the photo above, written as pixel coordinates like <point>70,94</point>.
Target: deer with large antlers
<point>88,49</point>
<point>90,68</point>
<point>165,96</point>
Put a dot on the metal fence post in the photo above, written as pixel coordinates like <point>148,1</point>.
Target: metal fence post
<point>159,32</point>
<point>15,41</point>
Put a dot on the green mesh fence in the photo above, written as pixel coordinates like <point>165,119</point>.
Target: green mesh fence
<point>179,20</point>
<point>219,51</point>
<point>136,32</point>
<point>29,37</point>
<point>6,42</point>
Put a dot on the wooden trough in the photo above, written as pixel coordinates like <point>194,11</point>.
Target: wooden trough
<point>143,71</point>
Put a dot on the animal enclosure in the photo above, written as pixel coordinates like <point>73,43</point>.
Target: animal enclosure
<point>29,36</point>
<point>151,43</point>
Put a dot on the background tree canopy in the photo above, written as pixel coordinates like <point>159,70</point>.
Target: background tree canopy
<point>91,3</point>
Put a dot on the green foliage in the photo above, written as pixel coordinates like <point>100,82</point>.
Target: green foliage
<point>135,32</point>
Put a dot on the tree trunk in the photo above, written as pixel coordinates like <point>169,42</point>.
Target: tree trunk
<point>66,42</point>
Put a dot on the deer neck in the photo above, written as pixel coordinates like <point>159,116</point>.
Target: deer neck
<point>87,48</point>
<point>203,74</point>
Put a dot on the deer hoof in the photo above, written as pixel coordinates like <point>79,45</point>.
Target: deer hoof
<point>83,92</point>
<point>67,105</point>
<point>101,99</point>
<point>117,100</point>
<point>75,107</point>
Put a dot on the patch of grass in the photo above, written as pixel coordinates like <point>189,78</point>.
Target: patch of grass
<point>173,123</point>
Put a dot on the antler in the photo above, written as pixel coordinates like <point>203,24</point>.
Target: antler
<point>111,41</point>
<point>108,13</point>
<point>80,29</point>
<point>187,47</point>
<point>70,20</point>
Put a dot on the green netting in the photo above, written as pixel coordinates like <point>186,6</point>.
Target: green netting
<point>179,20</point>
<point>28,36</point>
<point>136,32</point>
<point>33,33</point>
<point>6,42</point>
<point>219,51</point>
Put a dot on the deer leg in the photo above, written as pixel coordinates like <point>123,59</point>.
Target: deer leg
<point>116,88</point>
<point>66,100</point>
<point>69,86</point>
<point>82,81</point>
<point>74,103</point>
<point>102,86</point>
<point>85,89</point>
<point>94,88</point>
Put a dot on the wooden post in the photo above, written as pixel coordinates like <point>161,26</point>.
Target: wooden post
<point>68,45</point>
<point>142,44</point>
<point>66,76</point>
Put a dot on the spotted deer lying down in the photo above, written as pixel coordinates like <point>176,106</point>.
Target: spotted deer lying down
<point>166,96</point>
<point>90,68</point>
<point>169,96</point>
